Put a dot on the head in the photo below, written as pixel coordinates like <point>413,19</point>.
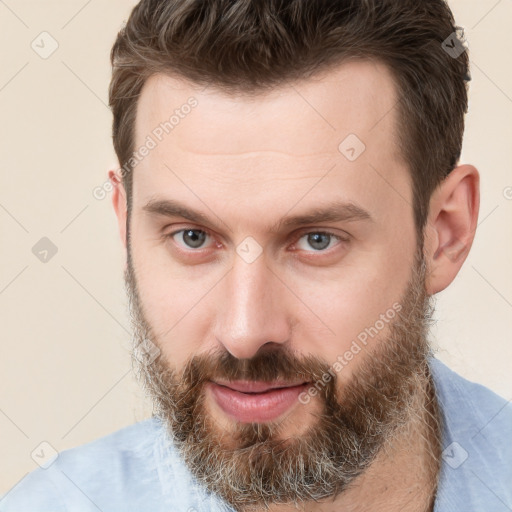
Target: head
<point>290,201</point>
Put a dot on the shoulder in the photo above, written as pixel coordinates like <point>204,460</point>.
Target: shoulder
<point>476,471</point>
<point>80,476</point>
<point>469,406</point>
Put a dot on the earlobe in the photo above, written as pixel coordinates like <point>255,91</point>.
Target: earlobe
<point>451,226</point>
<point>119,203</point>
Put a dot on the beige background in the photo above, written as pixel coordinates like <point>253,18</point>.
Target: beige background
<point>64,364</point>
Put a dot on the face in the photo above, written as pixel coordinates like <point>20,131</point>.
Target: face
<point>273,261</point>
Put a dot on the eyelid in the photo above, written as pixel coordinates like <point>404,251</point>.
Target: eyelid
<point>326,231</point>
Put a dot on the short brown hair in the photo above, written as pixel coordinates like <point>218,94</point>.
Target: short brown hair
<point>247,46</point>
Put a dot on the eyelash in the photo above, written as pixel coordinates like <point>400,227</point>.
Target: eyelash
<point>340,238</point>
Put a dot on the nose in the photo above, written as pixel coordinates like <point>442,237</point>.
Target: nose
<point>253,309</point>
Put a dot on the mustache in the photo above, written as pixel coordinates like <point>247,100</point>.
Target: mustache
<point>270,364</point>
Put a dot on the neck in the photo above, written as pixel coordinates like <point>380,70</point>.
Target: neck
<point>404,475</point>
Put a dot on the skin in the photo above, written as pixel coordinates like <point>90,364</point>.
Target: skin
<point>248,162</point>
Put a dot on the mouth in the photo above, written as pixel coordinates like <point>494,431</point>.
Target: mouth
<point>251,387</point>
<point>248,401</point>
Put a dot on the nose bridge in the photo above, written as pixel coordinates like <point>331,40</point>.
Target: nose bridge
<point>253,312</point>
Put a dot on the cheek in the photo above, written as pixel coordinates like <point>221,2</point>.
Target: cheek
<point>354,312</point>
<point>173,305</point>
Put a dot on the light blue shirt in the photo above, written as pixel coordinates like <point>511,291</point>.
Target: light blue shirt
<point>138,469</point>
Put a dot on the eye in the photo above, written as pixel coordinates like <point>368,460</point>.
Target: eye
<point>192,238</point>
<point>320,240</point>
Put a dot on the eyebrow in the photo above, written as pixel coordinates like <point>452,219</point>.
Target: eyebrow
<point>335,211</point>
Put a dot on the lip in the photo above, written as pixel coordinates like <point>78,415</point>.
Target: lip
<point>247,386</point>
<point>248,402</point>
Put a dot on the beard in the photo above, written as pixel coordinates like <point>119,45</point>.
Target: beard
<point>254,465</point>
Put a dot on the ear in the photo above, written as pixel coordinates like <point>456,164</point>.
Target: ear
<point>451,226</point>
<point>119,203</point>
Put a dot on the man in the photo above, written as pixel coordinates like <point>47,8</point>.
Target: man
<point>290,198</point>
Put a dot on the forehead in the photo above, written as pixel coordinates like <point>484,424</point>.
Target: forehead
<point>356,97</point>
<point>287,138</point>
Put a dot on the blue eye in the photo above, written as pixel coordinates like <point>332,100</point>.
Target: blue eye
<point>319,240</point>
